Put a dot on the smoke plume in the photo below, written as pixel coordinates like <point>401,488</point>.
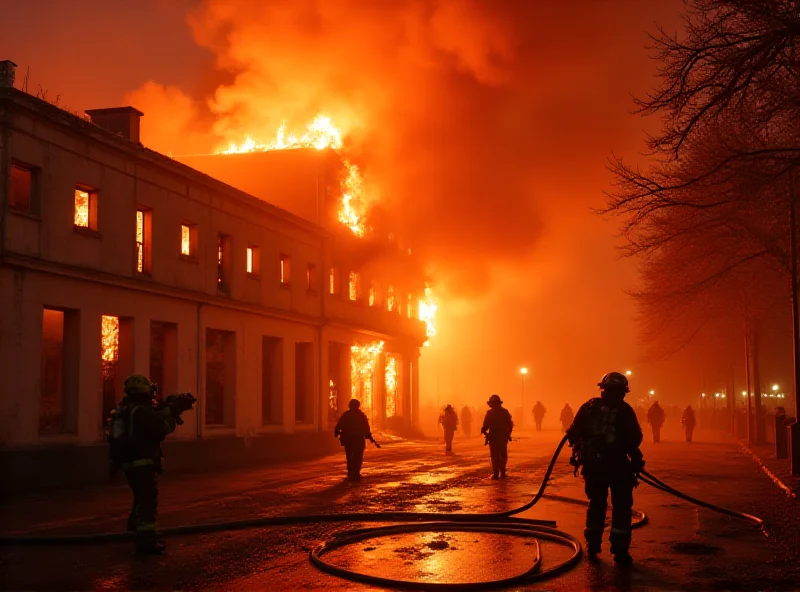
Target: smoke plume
<point>430,95</point>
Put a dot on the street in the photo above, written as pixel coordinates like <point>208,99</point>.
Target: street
<point>681,547</point>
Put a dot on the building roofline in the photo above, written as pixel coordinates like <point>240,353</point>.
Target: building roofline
<point>58,116</point>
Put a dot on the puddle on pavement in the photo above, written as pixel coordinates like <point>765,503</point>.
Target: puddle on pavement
<point>454,557</point>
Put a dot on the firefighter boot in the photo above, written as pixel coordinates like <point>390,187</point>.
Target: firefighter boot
<point>594,538</point>
<point>620,544</point>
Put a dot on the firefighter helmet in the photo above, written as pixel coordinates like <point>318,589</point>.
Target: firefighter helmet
<point>354,404</point>
<point>494,400</point>
<point>138,384</point>
<point>614,381</point>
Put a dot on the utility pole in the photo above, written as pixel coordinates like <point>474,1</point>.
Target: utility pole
<point>747,377</point>
<point>758,418</point>
<point>795,468</point>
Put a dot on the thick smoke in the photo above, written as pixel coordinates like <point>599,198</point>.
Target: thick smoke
<point>431,95</point>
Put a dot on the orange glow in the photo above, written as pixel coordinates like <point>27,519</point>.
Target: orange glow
<point>363,360</point>
<point>427,313</point>
<point>353,208</point>
<point>354,285</point>
<point>333,396</point>
<point>81,208</point>
<point>109,343</point>
<point>139,241</point>
<point>372,294</point>
<point>186,240</point>
<point>390,303</point>
<point>391,386</point>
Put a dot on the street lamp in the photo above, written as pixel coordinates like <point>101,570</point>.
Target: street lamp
<point>774,388</point>
<point>628,372</point>
<point>523,372</point>
<point>652,393</point>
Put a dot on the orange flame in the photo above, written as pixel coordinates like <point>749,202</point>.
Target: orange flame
<point>427,313</point>
<point>319,134</point>
<point>391,386</point>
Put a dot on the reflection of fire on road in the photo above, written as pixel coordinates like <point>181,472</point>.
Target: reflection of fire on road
<point>363,360</point>
<point>391,386</point>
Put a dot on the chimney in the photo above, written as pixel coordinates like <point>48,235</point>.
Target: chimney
<point>123,121</point>
<point>8,71</point>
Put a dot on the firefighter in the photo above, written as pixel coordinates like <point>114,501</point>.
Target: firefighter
<point>538,415</point>
<point>656,418</point>
<point>466,421</point>
<point>449,422</point>
<point>147,428</point>
<point>566,417</point>
<point>688,422</point>
<point>353,431</point>
<point>497,427</point>
<point>605,437</point>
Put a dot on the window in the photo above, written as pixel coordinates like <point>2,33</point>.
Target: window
<point>311,277</point>
<point>143,241</point>
<point>85,208</point>
<point>355,285</point>
<point>390,303</point>
<point>286,270</point>
<point>271,380</point>
<point>223,257</point>
<point>333,286</point>
<point>58,398</point>
<point>410,307</point>
<point>220,377</point>
<point>253,261</point>
<point>188,240</point>
<point>373,293</point>
<point>116,355</point>
<point>164,356</point>
<point>22,187</point>
<point>304,383</point>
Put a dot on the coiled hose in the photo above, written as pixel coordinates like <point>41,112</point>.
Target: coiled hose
<point>505,523</point>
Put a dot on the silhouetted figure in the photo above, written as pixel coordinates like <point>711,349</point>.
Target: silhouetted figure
<point>688,422</point>
<point>566,417</point>
<point>656,418</point>
<point>353,431</point>
<point>497,427</point>
<point>538,415</point>
<point>466,421</point>
<point>449,422</point>
<point>605,437</point>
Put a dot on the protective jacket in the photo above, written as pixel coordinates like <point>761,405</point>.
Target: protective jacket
<point>147,429</point>
<point>687,419</point>
<point>656,415</point>
<point>566,415</point>
<point>607,436</point>
<point>497,424</point>
<point>449,420</point>
<point>352,426</point>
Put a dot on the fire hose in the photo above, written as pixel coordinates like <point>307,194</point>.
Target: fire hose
<point>503,523</point>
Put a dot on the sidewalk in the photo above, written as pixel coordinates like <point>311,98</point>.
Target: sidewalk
<point>777,469</point>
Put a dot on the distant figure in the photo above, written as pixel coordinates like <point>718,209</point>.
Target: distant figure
<point>353,431</point>
<point>538,415</point>
<point>497,427</point>
<point>449,421</point>
<point>656,418</point>
<point>566,417</point>
<point>605,439</point>
<point>466,421</point>
<point>688,422</point>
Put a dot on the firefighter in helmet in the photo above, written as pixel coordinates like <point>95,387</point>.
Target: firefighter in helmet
<point>449,422</point>
<point>605,437</point>
<point>497,427</point>
<point>353,431</point>
<point>146,428</point>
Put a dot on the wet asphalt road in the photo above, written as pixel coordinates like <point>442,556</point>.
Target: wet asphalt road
<point>681,548</point>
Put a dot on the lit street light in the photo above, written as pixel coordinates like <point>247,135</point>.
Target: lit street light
<point>628,372</point>
<point>775,388</point>
<point>523,372</point>
<point>652,393</point>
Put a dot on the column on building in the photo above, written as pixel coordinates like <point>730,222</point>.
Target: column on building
<point>415,391</point>
<point>379,391</point>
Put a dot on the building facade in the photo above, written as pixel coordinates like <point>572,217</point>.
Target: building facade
<point>115,259</point>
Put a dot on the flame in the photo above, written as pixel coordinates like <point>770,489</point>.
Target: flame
<point>427,313</point>
<point>390,302</point>
<point>109,344</point>
<point>319,134</point>
<point>354,285</point>
<point>333,396</point>
<point>391,386</point>
<point>139,241</point>
<point>81,208</point>
<point>363,359</point>
<point>353,209</point>
<point>186,240</point>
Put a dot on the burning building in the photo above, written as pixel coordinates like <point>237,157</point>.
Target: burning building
<point>250,284</point>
